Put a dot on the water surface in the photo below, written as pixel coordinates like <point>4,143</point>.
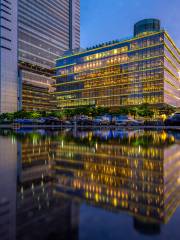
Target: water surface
<point>88,185</point>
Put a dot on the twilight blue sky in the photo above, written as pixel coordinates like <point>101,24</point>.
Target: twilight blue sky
<point>105,20</point>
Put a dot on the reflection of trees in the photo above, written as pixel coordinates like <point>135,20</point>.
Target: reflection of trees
<point>91,138</point>
<point>144,139</point>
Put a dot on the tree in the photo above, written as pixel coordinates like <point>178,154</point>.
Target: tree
<point>123,111</point>
<point>69,112</point>
<point>21,114</point>
<point>133,111</point>
<point>44,113</point>
<point>6,116</point>
<point>145,110</point>
<point>101,111</point>
<point>35,115</point>
<point>81,111</point>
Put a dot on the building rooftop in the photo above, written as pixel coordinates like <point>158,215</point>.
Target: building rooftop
<point>145,26</point>
<point>104,44</point>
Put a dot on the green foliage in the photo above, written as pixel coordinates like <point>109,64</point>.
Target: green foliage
<point>101,110</point>
<point>44,113</point>
<point>133,111</point>
<point>69,112</point>
<point>80,111</point>
<point>123,111</point>
<point>88,111</point>
<point>35,115</point>
<point>6,116</point>
<point>145,110</point>
<point>21,114</point>
<point>58,114</point>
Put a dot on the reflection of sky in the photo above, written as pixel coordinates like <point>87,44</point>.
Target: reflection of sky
<point>96,223</point>
<point>105,20</point>
<point>111,134</point>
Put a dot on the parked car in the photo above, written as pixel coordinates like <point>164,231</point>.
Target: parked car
<point>102,120</point>
<point>81,117</point>
<point>124,120</point>
<point>84,122</point>
<point>24,121</point>
<point>173,120</point>
<point>52,121</point>
<point>39,121</point>
<point>119,118</point>
<point>129,122</point>
<point>153,123</point>
<point>97,121</point>
<point>5,121</point>
<point>67,122</point>
<point>121,122</point>
<point>133,122</point>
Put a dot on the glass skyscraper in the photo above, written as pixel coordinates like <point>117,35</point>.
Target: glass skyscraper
<point>45,29</point>
<point>141,69</point>
<point>8,56</point>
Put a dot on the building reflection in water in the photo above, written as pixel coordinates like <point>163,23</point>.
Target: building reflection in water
<point>8,159</point>
<point>136,172</point>
<point>40,213</point>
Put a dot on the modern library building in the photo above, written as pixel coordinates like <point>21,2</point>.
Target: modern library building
<point>141,69</point>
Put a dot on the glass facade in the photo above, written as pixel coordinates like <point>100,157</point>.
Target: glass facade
<point>45,29</point>
<point>147,26</point>
<point>171,73</point>
<point>8,56</point>
<point>37,97</point>
<point>142,69</point>
<point>123,176</point>
<point>36,89</point>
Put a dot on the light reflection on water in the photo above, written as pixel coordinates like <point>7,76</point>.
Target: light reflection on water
<point>89,185</point>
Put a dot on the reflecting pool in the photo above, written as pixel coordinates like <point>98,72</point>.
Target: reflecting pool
<point>88,185</point>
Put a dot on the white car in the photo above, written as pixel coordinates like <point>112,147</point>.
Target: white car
<point>128,122</point>
<point>121,122</point>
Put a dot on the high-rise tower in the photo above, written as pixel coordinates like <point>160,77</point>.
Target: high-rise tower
<point>8,56</point>
<point>46,28</point>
